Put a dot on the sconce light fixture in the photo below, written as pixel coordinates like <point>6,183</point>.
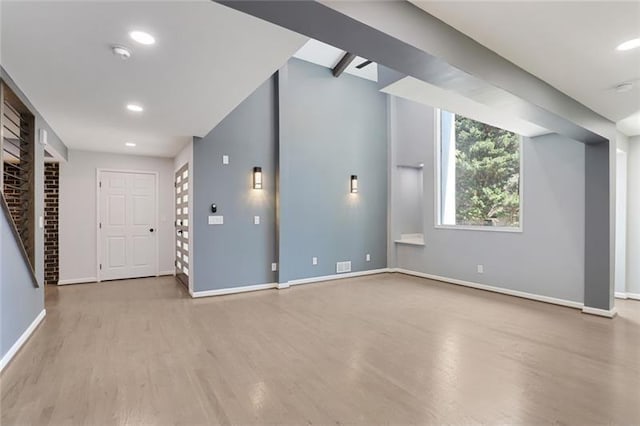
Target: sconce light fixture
<point>257,178</point>
<point>354,184</point>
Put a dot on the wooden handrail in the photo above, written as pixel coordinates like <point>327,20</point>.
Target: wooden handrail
<point>16,236</point>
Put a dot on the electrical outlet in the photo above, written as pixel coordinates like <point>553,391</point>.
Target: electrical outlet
<point>314,260</point>
<point>481,269</point>
<point>367,257</point>
<point>274,267</point>
<point>225,159</point>
<point>256,220</point>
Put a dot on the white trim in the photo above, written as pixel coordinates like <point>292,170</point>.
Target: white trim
<point>634,296</point>
<point>97,216</point>
<point>480,228</point>
<point>282,286</point>
<point>522,294</point>
<point>164,273</point>
<point>600,312</point>
<point>22,340</point>
<point>78,281</point>
<point>338,276</point>
<point>233,290</point>
<point>438,186</point>
<point>621,295</point>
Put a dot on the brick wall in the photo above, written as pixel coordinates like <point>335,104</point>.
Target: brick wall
<point>51,188</point>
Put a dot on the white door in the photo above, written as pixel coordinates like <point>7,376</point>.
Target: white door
<point>127,225</point>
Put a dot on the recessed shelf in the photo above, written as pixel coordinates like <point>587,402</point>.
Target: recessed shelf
<point>411,239</point>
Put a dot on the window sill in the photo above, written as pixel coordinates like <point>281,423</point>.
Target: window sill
<point>480,228</point>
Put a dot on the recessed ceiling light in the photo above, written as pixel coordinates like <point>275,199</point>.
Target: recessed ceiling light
<point>628,45</point>
<point>142,37</point>
<point>131,144</point>
<point>134,108</point>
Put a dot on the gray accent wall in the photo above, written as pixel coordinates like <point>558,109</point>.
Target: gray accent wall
<point>546,259</point>
<point>236,253</point>
<point>309,132</point>
<point>330,129</point>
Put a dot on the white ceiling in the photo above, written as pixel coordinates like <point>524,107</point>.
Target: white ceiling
<point>325,55</point>
<point>428,94</point>
<point>206,60</point>
<point>569,44</point>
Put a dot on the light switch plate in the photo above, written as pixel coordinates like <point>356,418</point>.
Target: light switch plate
<point>481,269</point>
<point>368,257</point>
<point>256,220</point>
<point>225,159</point>
<point>314,261</point>
<point>41,222</point>
<point>216,220</point>
<point>274,266</point>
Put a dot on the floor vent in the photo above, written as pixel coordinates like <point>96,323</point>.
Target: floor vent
<point>342,267</point>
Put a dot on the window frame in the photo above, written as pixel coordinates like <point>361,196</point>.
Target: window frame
<point>438,187</point>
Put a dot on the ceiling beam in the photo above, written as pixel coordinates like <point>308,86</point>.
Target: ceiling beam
<point>481,74</point>
<point>342,64</point>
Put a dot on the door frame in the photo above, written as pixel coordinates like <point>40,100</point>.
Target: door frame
<point>99,171</point>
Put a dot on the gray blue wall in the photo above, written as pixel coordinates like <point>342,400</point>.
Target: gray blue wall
<point>330,129</point>
<point>315,130</point>
<point>547,258</point>
<point>237,253</point>
<point>20,301</point>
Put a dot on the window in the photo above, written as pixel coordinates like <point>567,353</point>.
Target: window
<point>478,175</point>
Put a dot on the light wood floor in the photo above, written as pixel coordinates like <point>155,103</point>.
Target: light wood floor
<point>372,350</point>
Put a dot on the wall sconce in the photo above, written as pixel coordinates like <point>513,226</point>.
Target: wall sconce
<point>354,184</point>
<point>257,178</point>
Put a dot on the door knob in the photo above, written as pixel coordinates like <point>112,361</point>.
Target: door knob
<point>151,230</point>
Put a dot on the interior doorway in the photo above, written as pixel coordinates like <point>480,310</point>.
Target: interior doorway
<point>127,224</point>
<point>182,224</point>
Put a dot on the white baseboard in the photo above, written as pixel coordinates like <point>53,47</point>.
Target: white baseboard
<point>78,281</point>
<point>163,273</point>
<point>634,296</point>
<point>600,312</point>
<point>539,298</point>
<point>233,290</point>
<point>22,340</point>
<point>282,286</point>
<point>338,276</point>
<point>620,295</point>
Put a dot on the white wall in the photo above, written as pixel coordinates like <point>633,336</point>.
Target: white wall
<point>77,210</point>
<point>633,217</point>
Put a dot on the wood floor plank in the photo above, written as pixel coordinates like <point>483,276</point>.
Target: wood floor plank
<point>372,350</point>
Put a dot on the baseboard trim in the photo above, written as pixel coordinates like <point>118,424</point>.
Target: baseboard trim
<point>282,286</point>
<point>621,295</point>
<point>509,292</point>
<point>233,290</point>
<point>78,281</point>
<point>338,276</point>
<point>22,340</point>
<point>164,273</point>
<point>634,296</point>
<point>600,312</point>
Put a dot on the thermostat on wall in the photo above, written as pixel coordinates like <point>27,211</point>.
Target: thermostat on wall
<point>43,137</point>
